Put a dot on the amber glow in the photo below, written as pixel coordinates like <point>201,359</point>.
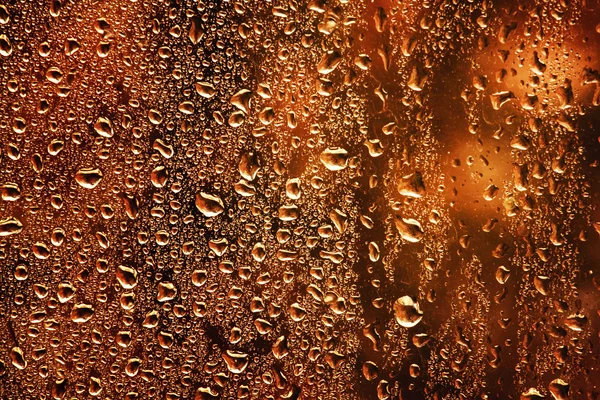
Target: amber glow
<point>345,199</point>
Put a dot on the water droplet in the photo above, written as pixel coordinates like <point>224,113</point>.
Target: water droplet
<point>88,178</point>
<point>209,205</point>
<point>407,312</point>
<point>334,158</point>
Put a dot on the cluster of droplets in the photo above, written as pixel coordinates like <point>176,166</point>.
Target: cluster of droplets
<point>279,199</point>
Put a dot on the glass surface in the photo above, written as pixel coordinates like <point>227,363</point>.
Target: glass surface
<point>280,199</point>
